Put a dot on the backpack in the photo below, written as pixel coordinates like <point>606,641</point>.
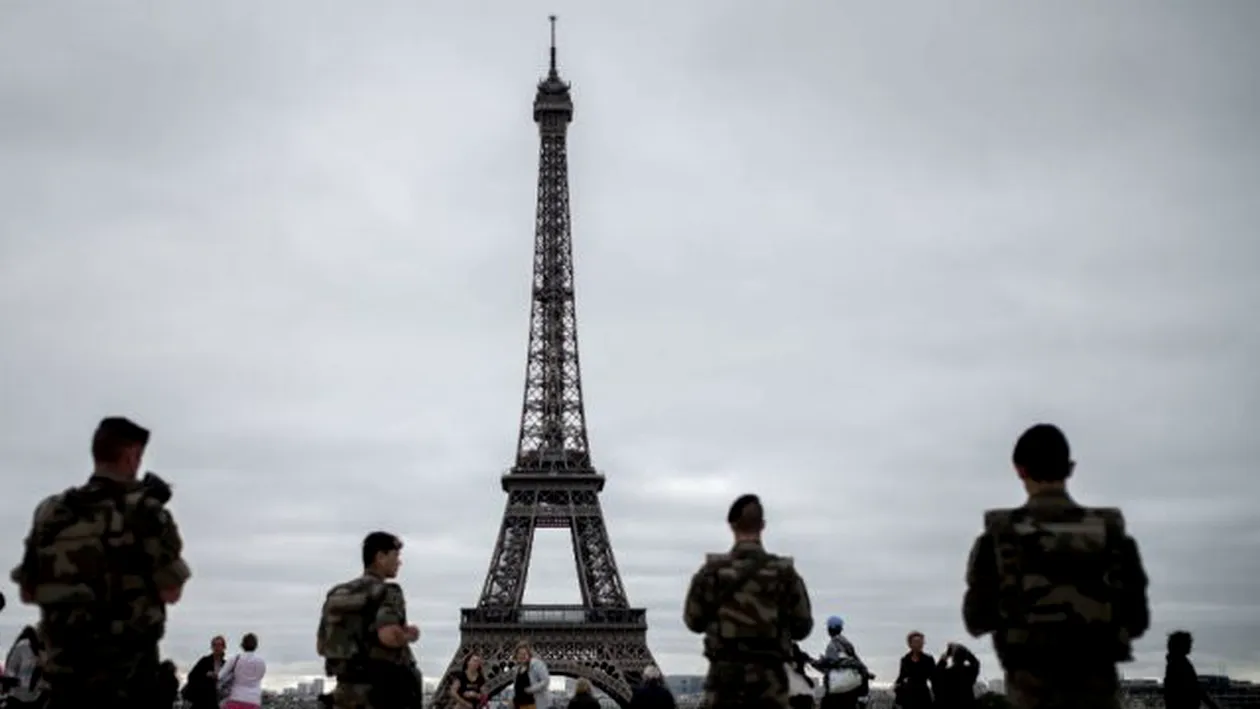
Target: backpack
<point>746,604</point>
<point>1057,572</point>
<point>346,631</point>
<point>103,529</point>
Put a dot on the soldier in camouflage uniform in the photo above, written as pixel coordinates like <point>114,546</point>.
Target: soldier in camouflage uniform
<point>1061,587</point>
<point>364,637</point>
<point>102,562</point>
<point>751,607</point>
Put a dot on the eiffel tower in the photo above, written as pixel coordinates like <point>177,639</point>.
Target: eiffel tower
<point>553,484</point>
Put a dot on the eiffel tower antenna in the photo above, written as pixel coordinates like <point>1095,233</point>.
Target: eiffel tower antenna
<point>552,18</point>
<point>553,483</point>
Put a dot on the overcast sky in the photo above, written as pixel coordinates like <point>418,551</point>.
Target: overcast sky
<point>840,256</point>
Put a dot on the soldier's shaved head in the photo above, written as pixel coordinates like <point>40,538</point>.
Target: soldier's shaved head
<point>1042,454</point>
<point>746,515</point>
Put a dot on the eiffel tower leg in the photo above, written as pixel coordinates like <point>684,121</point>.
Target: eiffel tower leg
<point>597,568</point>
<point>509,564</point>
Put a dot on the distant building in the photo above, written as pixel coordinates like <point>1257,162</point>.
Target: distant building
<point>685,684</point>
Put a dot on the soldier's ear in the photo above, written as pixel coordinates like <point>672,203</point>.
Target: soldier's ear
<point>1021,472</point>
<point>1071,467</point>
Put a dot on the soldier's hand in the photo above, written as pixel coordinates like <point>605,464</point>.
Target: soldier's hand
<point>171,594</point>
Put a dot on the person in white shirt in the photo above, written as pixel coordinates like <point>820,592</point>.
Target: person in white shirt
<point>242,676</point>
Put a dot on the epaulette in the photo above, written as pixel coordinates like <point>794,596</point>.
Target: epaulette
<point>719,558</point>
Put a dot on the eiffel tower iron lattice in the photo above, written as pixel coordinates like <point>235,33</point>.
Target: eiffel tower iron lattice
<point>553,483</point>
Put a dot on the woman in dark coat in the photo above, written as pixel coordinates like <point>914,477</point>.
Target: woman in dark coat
<point>201,690</point>
<point>913,687</point>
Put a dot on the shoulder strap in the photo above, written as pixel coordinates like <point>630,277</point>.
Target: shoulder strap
<point>742,580</point>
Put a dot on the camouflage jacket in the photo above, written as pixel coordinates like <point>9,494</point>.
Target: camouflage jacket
<point>95,562</point>
<point>749,604</point>
<point>1056,582</point>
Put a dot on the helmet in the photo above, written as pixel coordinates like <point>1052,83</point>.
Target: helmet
<point>835,623</point>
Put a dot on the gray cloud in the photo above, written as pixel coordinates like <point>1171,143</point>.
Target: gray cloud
<point>834,254</point>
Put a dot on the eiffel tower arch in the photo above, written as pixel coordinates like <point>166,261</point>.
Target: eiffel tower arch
<point>553,483</point>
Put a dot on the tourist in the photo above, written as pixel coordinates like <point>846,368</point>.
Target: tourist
<point>241,678</point>
<point>532,687</point>
<point>913,686</point>
<point>21,669</point>
<point>652,694</point>
<point>846,679</point>
<point>583,698</point>
<point>1181,683</point>
<point>956,675</point>
<point>166,689</point>
<point>801,688</point>
<point>201,689</point>
<point>467,687</point>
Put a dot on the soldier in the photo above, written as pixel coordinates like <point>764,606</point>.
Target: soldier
<point>1061,587</point>
<point>751,607</point>
<point>102,562</point>
<point>364,638</point>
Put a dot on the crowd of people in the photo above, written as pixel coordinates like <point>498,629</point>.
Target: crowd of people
<point>1060,588</point>
<point>922,681</point>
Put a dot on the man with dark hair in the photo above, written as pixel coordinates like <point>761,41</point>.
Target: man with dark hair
<point>85,581</point>
<point>1060,587</point>
<point>364,637</point>
<point>751,606</point>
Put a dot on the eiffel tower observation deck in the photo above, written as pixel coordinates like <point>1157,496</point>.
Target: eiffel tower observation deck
<point>553,483</point>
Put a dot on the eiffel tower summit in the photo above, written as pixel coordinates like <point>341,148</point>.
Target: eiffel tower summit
<point>553,483</point>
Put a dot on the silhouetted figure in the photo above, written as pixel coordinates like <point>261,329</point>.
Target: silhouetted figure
<point>583,698</point>
<point>1182,689</point>
<point>956,675</point>
<point>652,694</point>
<point>167,688</point>
<point>913,687</point>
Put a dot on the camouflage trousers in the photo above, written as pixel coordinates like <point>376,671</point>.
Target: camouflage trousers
<point>105,684</point>
<point>732,685</point>
<point>1081,689</point>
